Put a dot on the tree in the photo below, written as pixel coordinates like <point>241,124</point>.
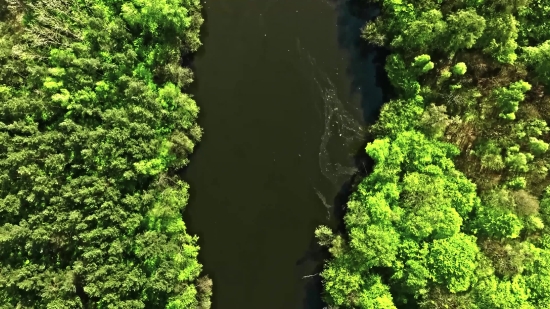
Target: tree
<point>517,161</point>
<point>500,38</point>
<point>459,68</point>
<point>453,261</point>
<point>441,298</point>
<point>538,57</point>
<point>508,99</point>
<point>465,27</point>
<point>537,146</point>
<point>423,64</point>
<point>475,235</point>
<point>374,32</point>
<point>498,222</point>
<point>399,115</point>
<point>92,128</point>
<point>435,120</point>
<point>375,295</point>
<point>413,198</point>
<point>424,33</point>
<point>401,77</point>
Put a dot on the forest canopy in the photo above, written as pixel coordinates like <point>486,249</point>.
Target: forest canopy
<point>456,212</point>
<point>93,126</point>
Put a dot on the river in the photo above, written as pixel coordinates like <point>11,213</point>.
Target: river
<point>285,89</point>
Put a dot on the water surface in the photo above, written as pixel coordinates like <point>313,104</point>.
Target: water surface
<point>284,90</point>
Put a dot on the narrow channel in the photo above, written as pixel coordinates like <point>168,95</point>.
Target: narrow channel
<point>285,90</point>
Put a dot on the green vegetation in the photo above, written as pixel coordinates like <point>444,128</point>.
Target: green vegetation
<point>456,213</point>
<point>93,125</point>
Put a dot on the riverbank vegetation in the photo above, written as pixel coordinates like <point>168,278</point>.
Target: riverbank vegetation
<point>93,124</point>
<point>456,212</point>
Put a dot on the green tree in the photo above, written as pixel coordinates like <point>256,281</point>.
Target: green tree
<point>537,146</point>
<point>435,120</point>
<point>508,99</point>
<point>500,38</point>
<point>423,232</point>
<point>453,261</point>
<point>465,27</point>
<point>538,57</point>
<point>92,128</point>
<point>422,34</point>
<point>459,68</point>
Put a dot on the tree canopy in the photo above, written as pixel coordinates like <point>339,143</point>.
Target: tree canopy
<point>93,126</point>
<point>455,211</point>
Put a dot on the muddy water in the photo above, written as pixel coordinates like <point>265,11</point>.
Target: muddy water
<point>285,90</point>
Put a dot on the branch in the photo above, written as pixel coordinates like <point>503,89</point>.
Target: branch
<point>309,276</point>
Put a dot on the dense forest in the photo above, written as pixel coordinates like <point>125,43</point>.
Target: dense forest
<point>93,126</point>
<point>456,212</point>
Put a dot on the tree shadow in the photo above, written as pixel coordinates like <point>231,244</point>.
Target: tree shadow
<point>188,60</point>
<point>366,61</point>
<point>364,164</point>
<point>314,286</point>
<point>368,79</point>
<point>317,254</point>
<point>370,82</point>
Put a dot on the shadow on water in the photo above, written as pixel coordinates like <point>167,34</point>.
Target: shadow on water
<point>318,254</point>
<point>369,81</point>
<point>249,243</point>
<point>188,60</point>
<point>352,16</point>
<point>313,285</point>
<point>364,164</point>
<point>374,90</point>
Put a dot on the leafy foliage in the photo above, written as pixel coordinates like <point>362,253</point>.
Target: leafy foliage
<point>456,211</point>
<point>93,123</point>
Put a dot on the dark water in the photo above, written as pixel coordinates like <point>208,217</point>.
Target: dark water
<point>285,89</point>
